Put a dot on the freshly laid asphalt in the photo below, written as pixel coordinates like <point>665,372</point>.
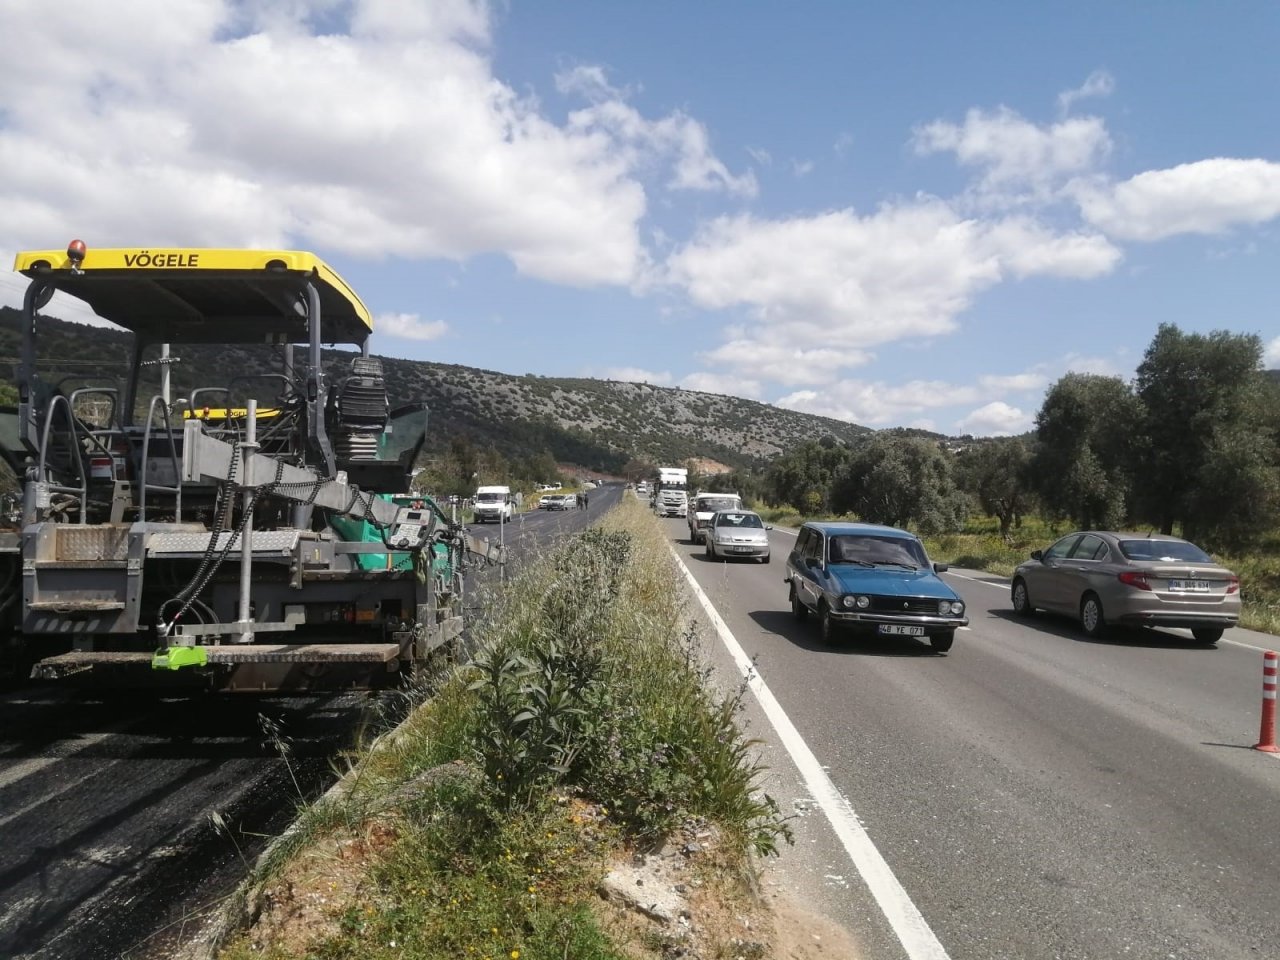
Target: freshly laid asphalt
<point>124,820</point>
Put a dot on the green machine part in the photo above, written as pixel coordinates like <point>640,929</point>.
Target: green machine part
<point>359,530</point>
<point>442,560</point>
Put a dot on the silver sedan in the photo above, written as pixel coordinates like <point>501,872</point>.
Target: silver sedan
<point>1129,579</point>
<point>738,533</point>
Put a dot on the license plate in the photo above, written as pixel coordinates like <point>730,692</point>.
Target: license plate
<point>901,630</point>
<point>741,549</point>
<point>1189,586</point>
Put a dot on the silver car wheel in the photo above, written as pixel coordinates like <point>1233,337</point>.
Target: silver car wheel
<point>1021,599</point>
<point>1091,618</point>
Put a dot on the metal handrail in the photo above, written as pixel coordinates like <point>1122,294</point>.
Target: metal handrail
<point>146,462</point>
<point>42,466</point>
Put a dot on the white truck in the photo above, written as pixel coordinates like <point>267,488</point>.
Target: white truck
<point>671,492</point>
<point>704,507</point>
<point>493,504</point>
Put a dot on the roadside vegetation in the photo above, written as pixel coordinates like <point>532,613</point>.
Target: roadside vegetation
<point>582,729</point>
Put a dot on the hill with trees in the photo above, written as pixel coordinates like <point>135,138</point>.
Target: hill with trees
<point>529,421</point>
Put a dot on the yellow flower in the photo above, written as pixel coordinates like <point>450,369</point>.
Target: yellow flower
<point>515,955</point>
<point>494,931</point>
<point>533,887</point>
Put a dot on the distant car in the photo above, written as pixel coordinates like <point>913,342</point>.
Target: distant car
<point>871,579</point>
<point>738,534</point>
<point>1130,579</point>
<point>560,501</point>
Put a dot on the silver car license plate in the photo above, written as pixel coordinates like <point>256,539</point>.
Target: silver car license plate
<point>1189,586</point>
<point>901,630</point>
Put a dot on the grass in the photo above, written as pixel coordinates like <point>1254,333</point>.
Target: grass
<point>583,725</point>
<point>979,546</point>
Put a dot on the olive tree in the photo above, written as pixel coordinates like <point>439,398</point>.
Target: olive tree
<point>997,475</point>
<point>1087,431</point>
<point>802,478</point>
<point>901,481</point>
<point>1209,461</point>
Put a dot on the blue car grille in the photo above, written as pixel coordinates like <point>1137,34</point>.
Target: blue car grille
<point>904,605</point>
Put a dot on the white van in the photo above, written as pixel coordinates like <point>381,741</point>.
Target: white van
<point>704,507</point>
<point>493,504</point>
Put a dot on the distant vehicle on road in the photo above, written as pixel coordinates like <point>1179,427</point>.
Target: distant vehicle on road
<point>873,580</point>
<point>1129,579</point>
<point>559,501</point>
<point>704,507</point>
<point>493,504</point>
<point>671,497</point>
<point>737,534</point>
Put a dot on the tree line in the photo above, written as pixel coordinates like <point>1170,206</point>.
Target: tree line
<point>1189,446</point>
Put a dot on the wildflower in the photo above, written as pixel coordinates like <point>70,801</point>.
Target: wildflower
<point>515,955</point>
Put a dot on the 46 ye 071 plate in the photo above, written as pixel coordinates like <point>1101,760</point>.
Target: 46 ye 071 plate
<point>902,630</point>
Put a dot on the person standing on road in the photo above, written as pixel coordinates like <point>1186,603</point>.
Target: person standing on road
<point>586,501</point>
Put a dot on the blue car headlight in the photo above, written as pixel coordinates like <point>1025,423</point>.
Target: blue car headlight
<point>950,608</point>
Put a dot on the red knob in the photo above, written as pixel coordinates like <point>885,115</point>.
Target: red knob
<point>75,250</point>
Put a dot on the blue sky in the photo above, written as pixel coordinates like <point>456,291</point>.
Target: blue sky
<point>897,214</point>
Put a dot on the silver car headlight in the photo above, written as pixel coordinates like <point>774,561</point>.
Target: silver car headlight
<point>950,608</point>
<point>863,602</point>
<point>846,602</point>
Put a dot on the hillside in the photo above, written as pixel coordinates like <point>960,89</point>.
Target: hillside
<point>595,423</point>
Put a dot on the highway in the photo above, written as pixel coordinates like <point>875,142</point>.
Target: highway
<point>1033,793</point>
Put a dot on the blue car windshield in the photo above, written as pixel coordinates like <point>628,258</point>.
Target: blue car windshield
<point>871,550</point>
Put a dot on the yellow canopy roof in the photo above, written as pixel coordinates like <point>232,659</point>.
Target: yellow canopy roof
<point>206,296</point>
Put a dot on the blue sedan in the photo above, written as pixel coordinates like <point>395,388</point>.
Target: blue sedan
<point>871,579</point>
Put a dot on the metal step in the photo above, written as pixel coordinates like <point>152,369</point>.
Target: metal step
<point>76,606</point>
<point>231,654</point>
<point>303,653</point>
<point>271,543</point>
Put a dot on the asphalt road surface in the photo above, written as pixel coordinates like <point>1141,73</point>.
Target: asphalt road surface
<point>1035,794</point>
<point>110,809</point>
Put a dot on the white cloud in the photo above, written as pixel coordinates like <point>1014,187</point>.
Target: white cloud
<point>1014,382</point>
<point>203,127</point>
<point>676,136</point>
<point>720,383</point>
<point>1100,83</point>
<point>843,145</point>
<point>1271,354</point>
<point>1103,366</point>
<point>802,168</point>
<point>638,375</point>
<point>996,419</point>
<point>760,155</point>
<point>1208,196</point>
<point>823,290</point>
<point>1020,161</point>
<point>780,362</point>
<point>877,403</point>
<point>409,326</point>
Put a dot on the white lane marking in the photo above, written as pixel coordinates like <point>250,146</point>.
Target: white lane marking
<point>1250,646</point>
<point>913,931</point>
<point>989,583</point>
